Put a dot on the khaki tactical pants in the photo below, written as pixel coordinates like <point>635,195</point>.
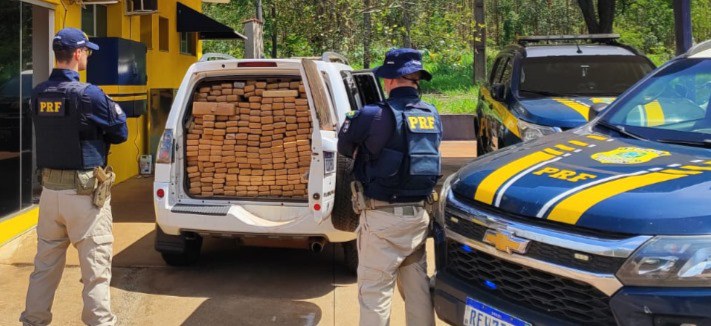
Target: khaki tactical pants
<point>64,218</point>
<point>391,248</point>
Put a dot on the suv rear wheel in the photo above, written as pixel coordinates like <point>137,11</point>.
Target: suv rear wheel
<point>343,217</point>
<point>178,250</point>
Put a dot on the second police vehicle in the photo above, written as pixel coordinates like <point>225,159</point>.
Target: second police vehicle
<point>605,224</point>
<point>548,84</point>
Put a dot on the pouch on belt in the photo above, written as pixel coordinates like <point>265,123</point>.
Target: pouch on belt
<point>58,180</point>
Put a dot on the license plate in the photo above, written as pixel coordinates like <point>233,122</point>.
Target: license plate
<point>479,314</point>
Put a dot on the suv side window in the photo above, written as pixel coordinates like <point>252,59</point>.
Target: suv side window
<point>496,70</point>
<point>351,90</point>
<point>362,88</point>
<point>507,72</point>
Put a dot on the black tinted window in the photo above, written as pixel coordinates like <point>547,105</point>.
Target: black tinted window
<point>580,75</point>
<point>506,74</point>
<point>495,74</point>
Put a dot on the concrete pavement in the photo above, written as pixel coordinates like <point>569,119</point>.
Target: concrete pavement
<point>231,285</point>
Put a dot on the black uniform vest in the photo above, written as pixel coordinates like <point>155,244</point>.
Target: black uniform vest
<point>60,116</point>
<point>408,168</point>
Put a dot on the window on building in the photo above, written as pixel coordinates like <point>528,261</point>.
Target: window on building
<point>147,31</point>
<point>93,20</point>
<point>141,6</point>
<point>188,43</point>
<point>163,34</point>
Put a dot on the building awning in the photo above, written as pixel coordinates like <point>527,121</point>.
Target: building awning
<point>190,20</point>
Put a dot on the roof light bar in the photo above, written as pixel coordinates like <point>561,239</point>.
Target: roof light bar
<point>601,38</point>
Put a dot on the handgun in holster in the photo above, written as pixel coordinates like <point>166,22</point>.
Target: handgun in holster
<point>358,197</point>
<point>105,180</point>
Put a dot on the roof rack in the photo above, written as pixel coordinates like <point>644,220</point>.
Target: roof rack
<point>334,57</point>
<point>600,38</point>
<point>328,57</point>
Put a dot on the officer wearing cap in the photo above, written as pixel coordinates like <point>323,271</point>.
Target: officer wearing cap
<point>395,145</point>
<point>75,123</point>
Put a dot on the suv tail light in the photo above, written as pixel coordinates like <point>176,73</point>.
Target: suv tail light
<point>165,148</point>
<point>257,64</point>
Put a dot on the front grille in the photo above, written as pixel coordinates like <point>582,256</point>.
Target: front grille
<point>542,251</point>
<point>553,295</point>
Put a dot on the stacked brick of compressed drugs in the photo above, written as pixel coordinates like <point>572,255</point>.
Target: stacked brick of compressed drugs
<point>249,139</point>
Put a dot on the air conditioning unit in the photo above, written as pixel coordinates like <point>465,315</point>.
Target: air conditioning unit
<point>141,7</point>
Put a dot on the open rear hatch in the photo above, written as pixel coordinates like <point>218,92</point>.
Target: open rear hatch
<point>248,137</point>
<point>251,138</point>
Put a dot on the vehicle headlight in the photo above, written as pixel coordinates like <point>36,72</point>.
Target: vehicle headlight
<point>442,203</point>
<point>532,131</point>
<point>680,261</point>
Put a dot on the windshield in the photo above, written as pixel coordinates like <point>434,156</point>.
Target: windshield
<point>598,75</point>
<point>672,105</point>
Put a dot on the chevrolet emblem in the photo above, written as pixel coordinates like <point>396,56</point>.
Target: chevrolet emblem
<point>506,241</point>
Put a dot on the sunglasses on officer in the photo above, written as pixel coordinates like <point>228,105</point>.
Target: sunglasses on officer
<point>88,51</point>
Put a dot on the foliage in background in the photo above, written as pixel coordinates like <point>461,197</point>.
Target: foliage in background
<point>444,29</point>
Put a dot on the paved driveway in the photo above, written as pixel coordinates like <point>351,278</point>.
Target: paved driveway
<point>231,285</point>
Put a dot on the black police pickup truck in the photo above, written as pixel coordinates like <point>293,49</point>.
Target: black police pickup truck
<point>547,84</point>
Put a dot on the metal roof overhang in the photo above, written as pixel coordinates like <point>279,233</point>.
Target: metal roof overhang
<point>190,20</point>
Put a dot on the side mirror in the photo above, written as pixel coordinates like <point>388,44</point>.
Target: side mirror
<point>596,109</point>
<point>498,92</point>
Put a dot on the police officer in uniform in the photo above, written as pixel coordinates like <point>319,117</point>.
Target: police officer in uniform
<point>395,145</point>
<point>75,123</point>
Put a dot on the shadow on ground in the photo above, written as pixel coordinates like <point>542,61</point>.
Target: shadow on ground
<point>231,283</point>
<point>251,284</point>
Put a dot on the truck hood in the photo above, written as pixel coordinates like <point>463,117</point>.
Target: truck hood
<point>564,112</point>
<point>594,181</point>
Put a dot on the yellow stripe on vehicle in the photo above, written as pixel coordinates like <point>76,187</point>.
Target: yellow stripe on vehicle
<point>596,137</point>
<point>552,151</point>
<point>582,109</point>
<point>696,168</point>
<point>565,148</point>
<point>596,100</point>
<point>654,113</point>
<point>682,172</point>
<point>570,210</point>
<point>578,143</point>
<point>508,119</point>
<point>488,187</point>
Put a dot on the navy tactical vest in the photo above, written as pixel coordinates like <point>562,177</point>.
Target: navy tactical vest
<point>408,168</point>
<point>63,129</point>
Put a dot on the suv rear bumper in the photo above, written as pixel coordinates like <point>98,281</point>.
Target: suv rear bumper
<point>237,221</point>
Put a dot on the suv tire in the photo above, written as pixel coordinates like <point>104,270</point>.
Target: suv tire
<point>350,256</point>
<point>178,250</point>
<point>343,217</point>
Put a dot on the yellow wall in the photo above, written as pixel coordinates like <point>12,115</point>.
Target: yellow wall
<point>164,69</point>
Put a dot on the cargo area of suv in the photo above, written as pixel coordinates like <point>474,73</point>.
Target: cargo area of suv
<point>248,138</point>
<point>249,152</point>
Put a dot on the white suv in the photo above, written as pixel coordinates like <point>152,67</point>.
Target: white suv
<point>202,176</point>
